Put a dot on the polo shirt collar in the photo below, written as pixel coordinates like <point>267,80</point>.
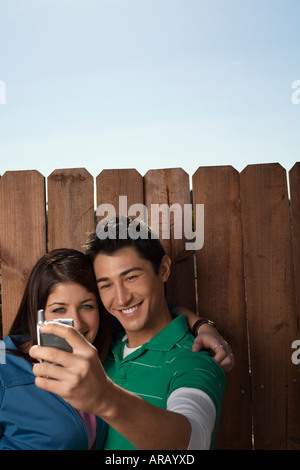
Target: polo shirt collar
<point>163,341</point>
<point>166,339</point>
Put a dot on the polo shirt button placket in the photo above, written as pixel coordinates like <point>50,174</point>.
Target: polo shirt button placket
<point>120,375</point>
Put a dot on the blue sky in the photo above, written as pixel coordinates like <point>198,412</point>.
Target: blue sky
<point>148,84</point>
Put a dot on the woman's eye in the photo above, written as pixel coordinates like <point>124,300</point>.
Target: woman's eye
<point>59,310</point>
<point>87,307</point>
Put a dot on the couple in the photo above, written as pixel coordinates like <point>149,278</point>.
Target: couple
<point>152,391</point>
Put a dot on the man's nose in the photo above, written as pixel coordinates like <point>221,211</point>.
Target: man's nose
<point>123,295</point>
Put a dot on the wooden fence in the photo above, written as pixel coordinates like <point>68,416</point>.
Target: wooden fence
<point>247,273</point>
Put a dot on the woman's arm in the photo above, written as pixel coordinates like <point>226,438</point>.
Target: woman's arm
<point>208,337</point>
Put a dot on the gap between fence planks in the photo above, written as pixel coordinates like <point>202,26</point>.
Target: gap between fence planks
<point>247,271</point>
<point>293,393</point>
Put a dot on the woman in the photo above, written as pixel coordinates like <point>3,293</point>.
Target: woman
<point>62,283</point>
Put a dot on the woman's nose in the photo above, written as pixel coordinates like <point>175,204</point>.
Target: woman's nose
<point>77,319</point>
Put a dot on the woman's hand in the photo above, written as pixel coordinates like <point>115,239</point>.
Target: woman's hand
<point>208,337</point>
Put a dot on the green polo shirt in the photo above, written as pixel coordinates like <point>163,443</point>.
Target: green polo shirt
<point>161,366</point>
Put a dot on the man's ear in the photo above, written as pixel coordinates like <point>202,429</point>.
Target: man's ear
<point>165,268</point>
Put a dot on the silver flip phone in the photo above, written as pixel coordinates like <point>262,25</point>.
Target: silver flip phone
<point>50,340</point>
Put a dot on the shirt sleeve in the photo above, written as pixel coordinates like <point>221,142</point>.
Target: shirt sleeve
<point>200,371</point>
<point>199,409</point>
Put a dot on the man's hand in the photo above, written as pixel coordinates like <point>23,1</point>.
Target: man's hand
<point>81,381</point>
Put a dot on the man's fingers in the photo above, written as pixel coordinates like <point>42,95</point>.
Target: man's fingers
<point>51,385</point>
<point>49,370</point>
<point>51,355</point>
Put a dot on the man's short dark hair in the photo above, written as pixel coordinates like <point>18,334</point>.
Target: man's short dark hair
<point>111,235</point>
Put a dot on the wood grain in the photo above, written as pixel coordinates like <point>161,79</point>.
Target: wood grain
<point>271,305</point>
<point>169,189</point>
<point>22,235</point>
<point>221,292</point>
<point>70,208</point>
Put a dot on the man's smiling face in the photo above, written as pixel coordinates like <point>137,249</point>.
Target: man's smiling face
<point>132,292</point>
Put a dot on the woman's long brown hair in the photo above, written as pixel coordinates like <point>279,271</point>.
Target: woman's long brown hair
<point>58,266</point>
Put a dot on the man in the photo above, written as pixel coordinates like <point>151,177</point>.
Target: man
<point>157,393</point>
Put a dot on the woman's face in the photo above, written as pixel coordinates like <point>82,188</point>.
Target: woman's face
<point>70,300</point>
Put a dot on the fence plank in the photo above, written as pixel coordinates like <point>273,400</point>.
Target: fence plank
<point>114,183</point>
<point>22,235</point>
<point>171,187</point>
<point>270,298</point>
<point>221,295</point>
<point>294,176</point>
<point>70,208</point>
<point>293,408</point>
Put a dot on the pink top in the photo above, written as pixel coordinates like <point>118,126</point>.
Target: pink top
<point>89,422</point>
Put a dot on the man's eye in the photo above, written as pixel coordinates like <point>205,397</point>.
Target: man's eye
<point>105,286</point>
<point>131,278</point>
